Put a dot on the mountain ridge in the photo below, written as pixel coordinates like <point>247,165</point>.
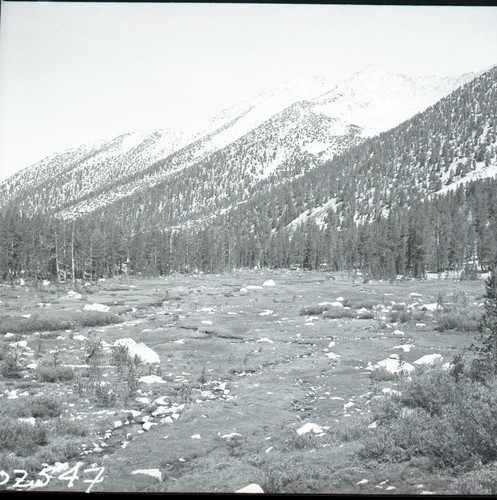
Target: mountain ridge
<point>134,162</point>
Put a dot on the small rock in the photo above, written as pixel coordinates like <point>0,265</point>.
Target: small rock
<point>155,473</point>
<point>96,307</point>
<point>28,420</point>
<point>310,427</point>
<point>230,436</point>
<point>429,359</point>
<point>251,488</point>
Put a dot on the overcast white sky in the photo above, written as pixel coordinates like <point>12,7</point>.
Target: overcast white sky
<point>72,73</point>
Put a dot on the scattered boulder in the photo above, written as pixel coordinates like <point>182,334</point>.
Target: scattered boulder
<point>141,351</point>
<point>74,295</point>
<point>22,344</point>
<point>269,283</point>
<point>28,420</point>
<point>393,365</point>
<point>429,359</point>
<point>96,307</point>
<point>251,488</point>
<point>310,427</point>
<point>155,473</point>
<point>230,436</point>
<point>404,347</point>
<point>331,304</point>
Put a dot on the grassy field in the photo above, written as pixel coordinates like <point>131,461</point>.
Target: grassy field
<point>242,368</point>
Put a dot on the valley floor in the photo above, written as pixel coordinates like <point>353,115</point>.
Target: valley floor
<point>241,372</point>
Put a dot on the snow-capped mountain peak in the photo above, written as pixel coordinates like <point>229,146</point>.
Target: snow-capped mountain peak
<point>277,135</point>
<point>376,100</point>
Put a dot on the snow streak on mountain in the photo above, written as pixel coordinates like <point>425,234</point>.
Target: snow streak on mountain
<point>273,138</point>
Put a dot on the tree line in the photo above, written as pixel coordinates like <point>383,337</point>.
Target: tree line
<point>455,231</point>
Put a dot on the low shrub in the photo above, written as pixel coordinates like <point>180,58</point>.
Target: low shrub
<point>402,314</point>
<point>338,313</point>
<point>65,428</point>
<point>465,320</point>
<point>47,322</point>
<point>9,368</point>
<point>448,421</point>
<point>54,373</point>
<point>366,315</point>
<point>382,374</point>
<point>120,356</point>
<point>123,309</point>
<point>98,318</point>
<point>298,442</point>
<point>361,303</point>
<point>313,310</point>
<point>21,438</point>
<point>44,407</point>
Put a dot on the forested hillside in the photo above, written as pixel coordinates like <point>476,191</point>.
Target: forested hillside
<point>420,197</point>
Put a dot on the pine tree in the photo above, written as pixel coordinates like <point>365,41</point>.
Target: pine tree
<point>488,323</point>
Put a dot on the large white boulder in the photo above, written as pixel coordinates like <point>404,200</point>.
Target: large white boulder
<point>310,427</point>
<point>269,283</point>
<point>393,365</point>
<point>96,307</point>
<point>143,352</point>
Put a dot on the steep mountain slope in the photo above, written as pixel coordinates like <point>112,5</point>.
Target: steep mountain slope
<point>276,136</point>
<point>78,173</point>
<point>436,151</point>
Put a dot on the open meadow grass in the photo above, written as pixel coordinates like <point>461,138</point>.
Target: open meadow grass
<point>214,382</point>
